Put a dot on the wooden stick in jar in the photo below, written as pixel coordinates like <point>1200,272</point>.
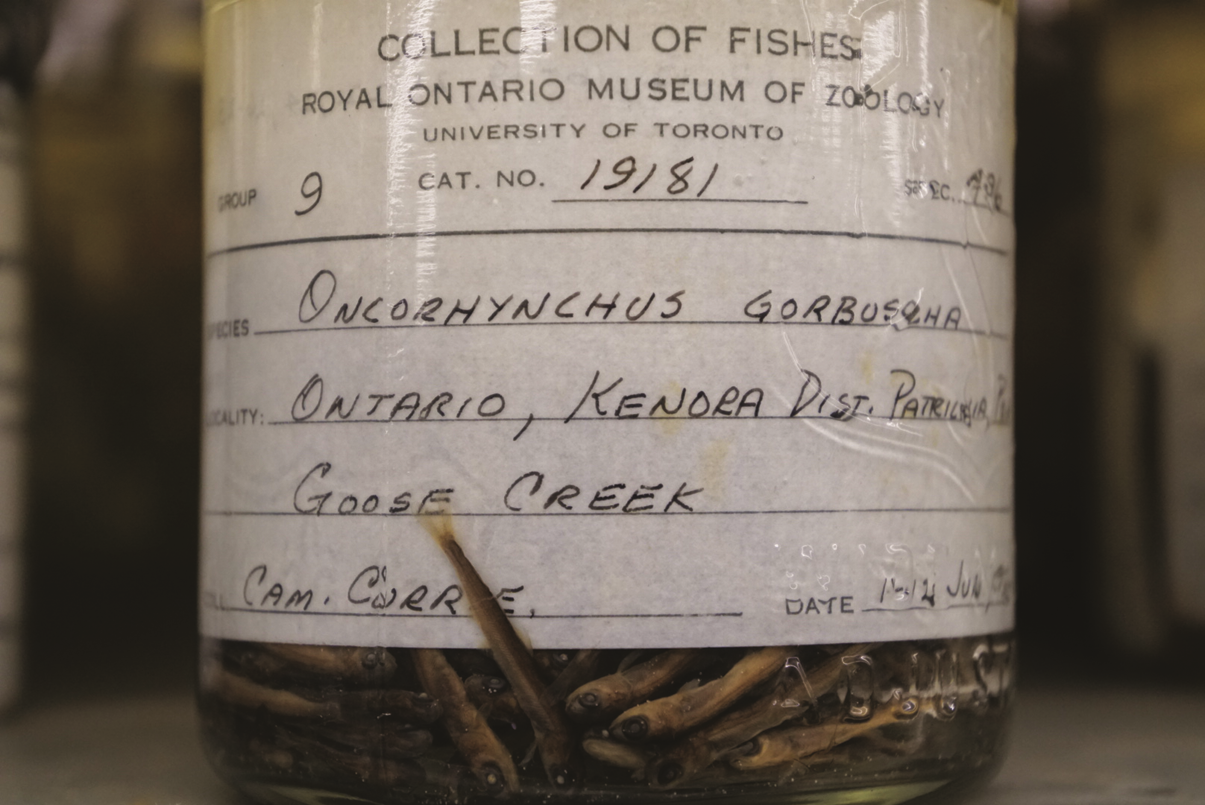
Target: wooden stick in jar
<point>551,728</point>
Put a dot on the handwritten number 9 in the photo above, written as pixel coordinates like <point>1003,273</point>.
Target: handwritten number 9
<point>311,187</point>
<point>624,168</point>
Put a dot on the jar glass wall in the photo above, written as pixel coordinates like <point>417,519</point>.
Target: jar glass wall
<point>607,402</point>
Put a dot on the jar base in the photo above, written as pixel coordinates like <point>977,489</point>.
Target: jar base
<point>882,723</point>
<point>921,793</point>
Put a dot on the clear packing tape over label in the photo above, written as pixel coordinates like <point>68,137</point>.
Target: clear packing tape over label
<point>691,321</point>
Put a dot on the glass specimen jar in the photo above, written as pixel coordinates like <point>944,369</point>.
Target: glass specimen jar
<point>607,401</point>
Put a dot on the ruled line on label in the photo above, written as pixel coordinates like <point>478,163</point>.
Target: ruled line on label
<point>608,419</point>
<point>923,608</point>
<point>722,513</point>
<point>624,322</point>
<point>514,617</point>
<point>676,200</point>
<point>272,244</point>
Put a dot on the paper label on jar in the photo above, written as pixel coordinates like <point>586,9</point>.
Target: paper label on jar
<point>12,379</point>
<point>691,322</point>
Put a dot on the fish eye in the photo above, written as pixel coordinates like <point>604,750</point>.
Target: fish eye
<point>493,778</point>
<point>669,772</point>
<point>635,728</point>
